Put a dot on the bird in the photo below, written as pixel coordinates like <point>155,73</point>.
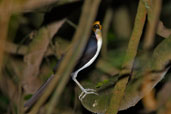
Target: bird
<point>89,55</point>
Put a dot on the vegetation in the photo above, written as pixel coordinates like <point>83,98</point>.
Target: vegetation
<point>131,75</point>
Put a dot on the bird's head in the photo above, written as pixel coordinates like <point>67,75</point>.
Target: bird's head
<point>96,26</point>
<point>97,30</point>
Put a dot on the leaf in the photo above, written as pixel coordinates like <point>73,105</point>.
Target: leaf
<point>154,69</point>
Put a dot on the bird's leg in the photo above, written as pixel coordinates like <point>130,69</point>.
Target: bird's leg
<point>84,91</point>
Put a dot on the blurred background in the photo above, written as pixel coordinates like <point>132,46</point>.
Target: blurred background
<point>27,57</point>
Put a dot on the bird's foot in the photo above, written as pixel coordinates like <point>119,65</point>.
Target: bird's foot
<point>86,92</point>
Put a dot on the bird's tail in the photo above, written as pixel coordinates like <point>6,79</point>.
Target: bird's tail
<point>38,93</point>
<point>41,90</point>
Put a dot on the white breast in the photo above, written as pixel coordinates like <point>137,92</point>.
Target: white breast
<point>99,45</point>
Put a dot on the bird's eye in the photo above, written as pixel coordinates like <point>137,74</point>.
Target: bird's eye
<point>96,26</point>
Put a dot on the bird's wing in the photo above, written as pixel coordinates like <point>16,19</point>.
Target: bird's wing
<point>88,53</point>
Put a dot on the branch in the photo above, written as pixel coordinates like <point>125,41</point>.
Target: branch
<point>29,5</point>
<point>163,31</point>
<point>5,13</point>
<point>79,41</point>
<point>120,86</point>
<point>12,48</point>
<point>153,11</point>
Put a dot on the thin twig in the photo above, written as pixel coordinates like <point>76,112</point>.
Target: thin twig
<point>71,23</point>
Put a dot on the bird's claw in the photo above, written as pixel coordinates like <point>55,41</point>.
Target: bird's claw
<point>86,92</point>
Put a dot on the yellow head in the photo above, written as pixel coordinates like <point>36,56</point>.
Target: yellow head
<point>97,25</point>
